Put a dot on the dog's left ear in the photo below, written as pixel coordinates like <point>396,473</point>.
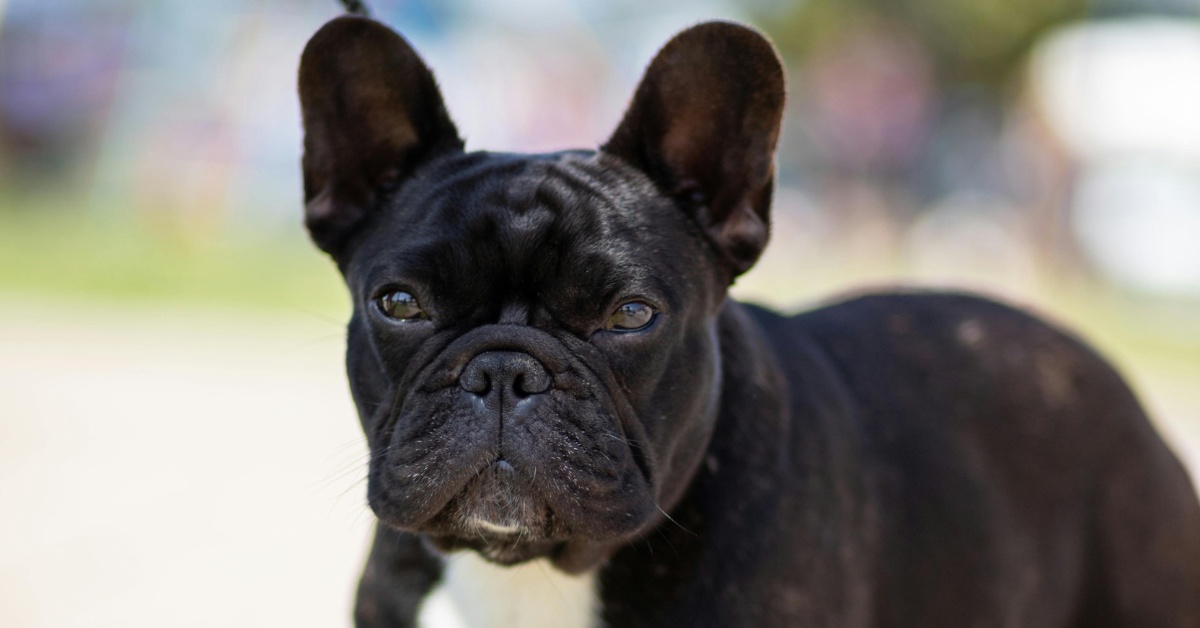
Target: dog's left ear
<point>372,115</point>
<point>703,125</point>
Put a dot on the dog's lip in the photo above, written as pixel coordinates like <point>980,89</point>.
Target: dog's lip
<point>495,502</point>
<point>496,528</point>
<point>537,518</point>
<point>383,506</point>
<point>509,553</point>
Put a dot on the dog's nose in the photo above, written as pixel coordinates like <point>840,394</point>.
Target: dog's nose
<point>504,373</point>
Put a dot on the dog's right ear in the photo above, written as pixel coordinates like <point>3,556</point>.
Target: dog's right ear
<point>372,114</point>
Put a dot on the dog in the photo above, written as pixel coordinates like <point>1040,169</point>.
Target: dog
<point>560,399</point>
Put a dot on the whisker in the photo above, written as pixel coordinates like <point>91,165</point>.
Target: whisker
<point>664,513</point>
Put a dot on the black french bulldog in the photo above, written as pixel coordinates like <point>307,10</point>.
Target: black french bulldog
<point>546,366</point>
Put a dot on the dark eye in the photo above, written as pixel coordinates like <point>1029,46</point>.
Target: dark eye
<point>631,316</point>
<point>401,305</point>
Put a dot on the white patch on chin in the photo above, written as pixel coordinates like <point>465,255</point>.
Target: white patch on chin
<point>498,528</point>
<point>474,593</point>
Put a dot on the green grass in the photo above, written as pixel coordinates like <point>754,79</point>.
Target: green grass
<point>79,256</point>
<point>65,255</point>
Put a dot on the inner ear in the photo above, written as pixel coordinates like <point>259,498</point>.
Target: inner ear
<point>703,124</point>
<point>372,114</point>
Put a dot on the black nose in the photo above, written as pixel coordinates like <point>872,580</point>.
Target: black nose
<point>504,373</point>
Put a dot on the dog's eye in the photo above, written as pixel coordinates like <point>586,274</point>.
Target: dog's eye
<point>631,316</point>
<point>401,305</point>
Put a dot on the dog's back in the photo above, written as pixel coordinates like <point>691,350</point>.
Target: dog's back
<point>1014,473</point>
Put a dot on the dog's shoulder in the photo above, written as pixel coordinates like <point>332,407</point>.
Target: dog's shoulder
<point>957,335</point>
<point>954,361</point>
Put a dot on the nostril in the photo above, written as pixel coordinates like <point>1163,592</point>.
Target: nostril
<point>532,381</point>
<point>511,373</point>
<point>475,380</point>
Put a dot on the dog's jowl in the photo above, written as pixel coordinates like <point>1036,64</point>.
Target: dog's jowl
<point>558,394</point>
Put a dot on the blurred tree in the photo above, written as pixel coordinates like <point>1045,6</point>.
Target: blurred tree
<point>970,41</point>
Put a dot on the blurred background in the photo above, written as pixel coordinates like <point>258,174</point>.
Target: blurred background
<point>177,445</point>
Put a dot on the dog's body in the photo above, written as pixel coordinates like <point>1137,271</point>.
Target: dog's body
<point>550,375</point>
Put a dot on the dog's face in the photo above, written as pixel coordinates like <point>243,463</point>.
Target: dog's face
<point>533,351</point>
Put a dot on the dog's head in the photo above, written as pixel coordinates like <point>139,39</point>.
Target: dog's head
<point>533,350</point>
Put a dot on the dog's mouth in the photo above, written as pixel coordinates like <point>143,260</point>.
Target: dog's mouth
<point>499,503</point>
<point>499,514</point>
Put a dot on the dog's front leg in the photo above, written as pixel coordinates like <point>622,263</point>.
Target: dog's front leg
<point>399,572</point>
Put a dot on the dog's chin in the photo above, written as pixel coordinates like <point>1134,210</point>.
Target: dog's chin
<point>503,516</point>
<point>498,514</point>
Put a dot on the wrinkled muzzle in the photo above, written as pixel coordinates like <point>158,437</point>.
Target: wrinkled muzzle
<point>510,441</point>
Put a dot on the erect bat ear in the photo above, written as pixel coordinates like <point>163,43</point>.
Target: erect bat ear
<point>703,124</point>
<point>372,114</point>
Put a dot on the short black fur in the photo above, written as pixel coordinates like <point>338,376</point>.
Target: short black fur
<point>899,460</point>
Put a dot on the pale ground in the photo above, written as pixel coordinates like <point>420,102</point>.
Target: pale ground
<point>169,467</point>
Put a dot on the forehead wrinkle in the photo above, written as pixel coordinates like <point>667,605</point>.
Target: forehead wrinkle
<point>600,267</point>
<point>531,231</point>
<point>477,238</point>
<point>626,224</point>
<point>584,183</point>
<point>538,231</point>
